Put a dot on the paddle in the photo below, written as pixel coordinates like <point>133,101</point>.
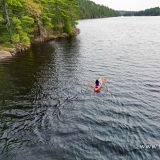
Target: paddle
<point>89,82</point>
<point>105,81</point>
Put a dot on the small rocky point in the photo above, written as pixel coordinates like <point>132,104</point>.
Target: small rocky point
<point>4,54</point>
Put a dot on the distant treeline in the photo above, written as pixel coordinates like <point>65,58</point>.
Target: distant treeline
<point>148,12</point>
<point>89,10</point>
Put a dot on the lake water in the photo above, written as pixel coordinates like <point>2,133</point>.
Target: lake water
<point>49,111</point>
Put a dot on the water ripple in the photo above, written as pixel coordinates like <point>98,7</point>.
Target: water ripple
<point>48,109</point>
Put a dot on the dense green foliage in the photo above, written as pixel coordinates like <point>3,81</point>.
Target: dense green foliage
<point>148,12</point>
<point>21,20</point>
<point>89,9</point>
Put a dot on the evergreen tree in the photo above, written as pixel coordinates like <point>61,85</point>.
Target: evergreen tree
<point>21,20</point>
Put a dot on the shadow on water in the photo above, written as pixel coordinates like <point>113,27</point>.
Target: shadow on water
<point>20,71</point>
<point>34,89</point>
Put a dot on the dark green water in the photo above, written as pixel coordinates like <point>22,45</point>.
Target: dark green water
<point>49,112</point>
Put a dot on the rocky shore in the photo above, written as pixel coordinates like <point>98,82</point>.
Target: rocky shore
<point>5,54</point>
<point>20,48</point>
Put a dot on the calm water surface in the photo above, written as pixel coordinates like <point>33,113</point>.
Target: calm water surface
<point>48,111</point>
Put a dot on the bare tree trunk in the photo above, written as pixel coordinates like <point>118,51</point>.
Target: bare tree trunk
<point>41,30</point>
<point>6,19</point>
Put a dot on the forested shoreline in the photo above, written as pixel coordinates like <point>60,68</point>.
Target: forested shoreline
<point>147,12</point>
<point>22,21</point>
